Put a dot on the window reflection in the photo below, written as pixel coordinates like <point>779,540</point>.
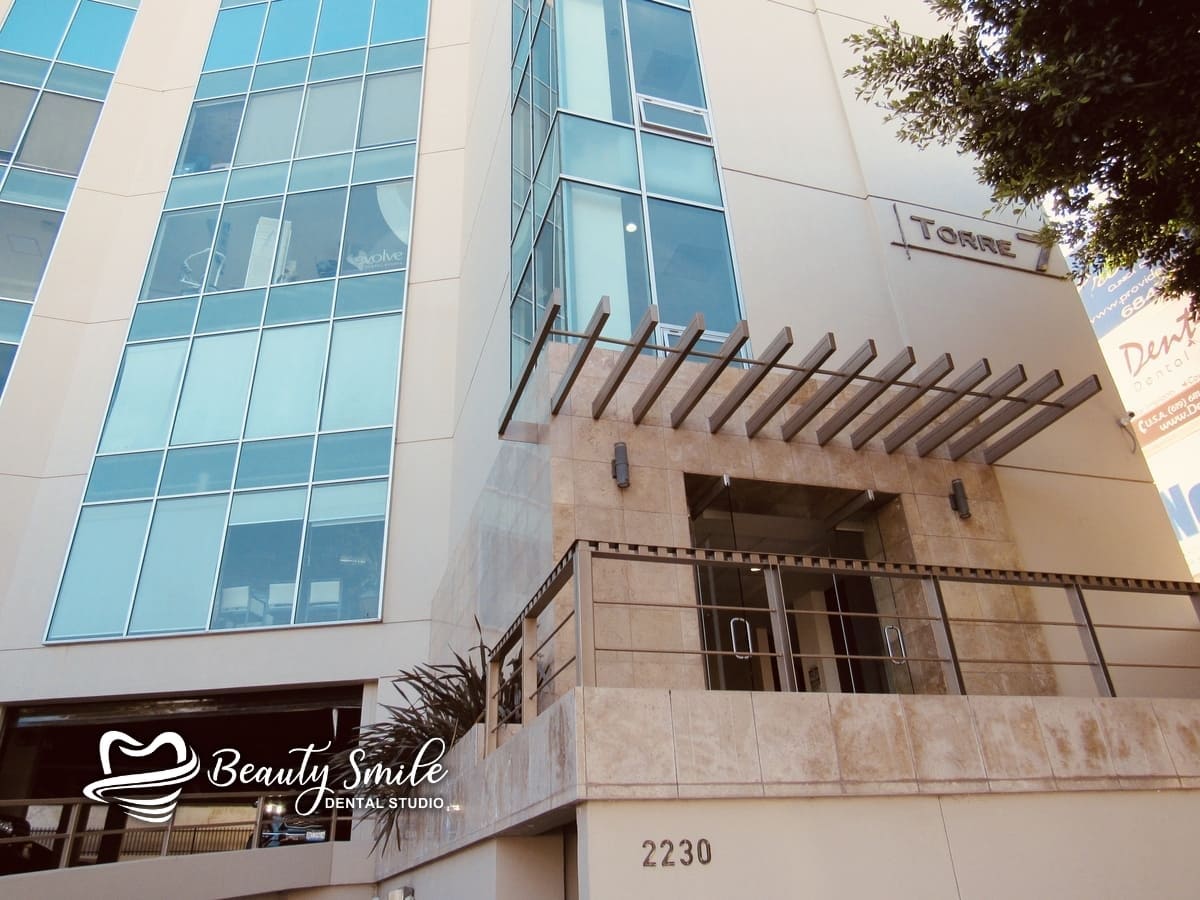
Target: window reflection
<point>59,134</point>
<point>377,228</point>
<point>343,553</point>
<point>179,260</point>
<point>693,265</point>
<point>15,103</point>
<point>269,129</point>
<point>257,584</point>
<point>210,135</point>
<point>26,238</point>
<point>311,237</point>
<point>665,60</point>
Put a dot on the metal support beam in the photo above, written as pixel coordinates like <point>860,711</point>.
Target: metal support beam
<point>866,396</point>
<point>732,346</point>
<point>937,406</point>
<point>668,367</point>
<point>943,640</point>
<point>535,350</point>
<point>491,706</point>
<point>757,372</point>
<point>833,386</point>
<point>579,357</point>
<point>641,337</point>
<point>780,630</point>
<point>935,372</point>
<point>1043,418</point>
<point>814,360</point>
<point>997,391</point>
<point>585,630</point>
<point>1009,412</point>
<point>529,685</point>
<point>1090,641</point>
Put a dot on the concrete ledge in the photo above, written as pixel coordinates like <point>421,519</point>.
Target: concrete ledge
<point>656,744</point>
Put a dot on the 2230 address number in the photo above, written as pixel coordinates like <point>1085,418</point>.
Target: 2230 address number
<point>665,854</point>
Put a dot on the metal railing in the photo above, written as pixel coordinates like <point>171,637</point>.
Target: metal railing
<point>83,832</point>
<point>750,621</point>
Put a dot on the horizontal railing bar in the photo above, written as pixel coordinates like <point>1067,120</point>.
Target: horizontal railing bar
<point>557,628</point>
<point>870,568</point>
<point>549,680</point>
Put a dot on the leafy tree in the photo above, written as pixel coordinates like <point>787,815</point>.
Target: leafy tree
<point>1087,105</point>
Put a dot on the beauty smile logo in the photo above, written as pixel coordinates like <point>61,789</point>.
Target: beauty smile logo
<point>144,795</point>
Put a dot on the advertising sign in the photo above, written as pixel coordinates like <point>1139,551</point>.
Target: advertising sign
<point>1151,347</point>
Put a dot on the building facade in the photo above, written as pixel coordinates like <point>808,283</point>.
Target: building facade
<point>788,488</point>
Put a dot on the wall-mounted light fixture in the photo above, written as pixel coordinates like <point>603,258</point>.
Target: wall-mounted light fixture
<point>958,499</point>
<point>620,465</point>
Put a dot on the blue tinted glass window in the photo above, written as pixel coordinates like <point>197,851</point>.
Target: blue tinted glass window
<point>198,470</point>
<point>267,463</point>
<point>176,584</point>
<point>280,74</point>
<point>245,246</point>
<point>12,320</point>
<point>259,181</point>
<point>210,135</point>
<point>360,389</point>
<point>227,312</point>
<point>324,171</point>
<point>312,224</point>
<point>76,80</point>
<point>343,553</point>
<point>38,188</point>
<point>97,35</point>
<point>374,293</point>
<point>377,227</point>
<point>257,584</point>
<point>179,260</point>
<point>391,162</point>
<point>665,60</point>
<point>300,302</point>
<point>287,382</point>
<point>391,104</point>
<point>8,353</point>
<point>343,25</point>
<point>218,84</point>
<point>29,235</point>
<point>168,318</point>
<point>353,454</point>
<point>15,104</point>
<point>59,133</point>
<point>337,65</point>
<point>23,69</point>
<point>693,265</point>
<point>213,401</point>
<point>98,583</point>
<point>269,129</point>
<point>235,38</point>
<point>289,31</point>
<point>681,169</point>
<point>396,56</point>
<point>36,26</point>
<point>330,117</point>
<point>126,477</point>
<point>142,406</point>
<point>399,20</point>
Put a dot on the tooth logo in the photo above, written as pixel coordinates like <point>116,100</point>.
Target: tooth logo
<point>141,795</point>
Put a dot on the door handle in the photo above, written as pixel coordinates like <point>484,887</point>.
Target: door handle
<point>887,637</point>
<point>733,637</point>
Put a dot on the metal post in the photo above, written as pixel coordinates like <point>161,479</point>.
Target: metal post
<point>779,628</point>
<point>1091,642</point>
<point>943,640</point>
<point>529,685</point>
<point>491,715</point>
<point>585,635</point>
<point>71,841</point>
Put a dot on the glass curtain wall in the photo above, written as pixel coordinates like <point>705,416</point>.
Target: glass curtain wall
<point>243,473</point>
<point>57,59</point>
<point>615,188</point>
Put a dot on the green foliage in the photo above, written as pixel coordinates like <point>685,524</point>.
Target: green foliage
<point>441,701</point>
<point>1088,105</point>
